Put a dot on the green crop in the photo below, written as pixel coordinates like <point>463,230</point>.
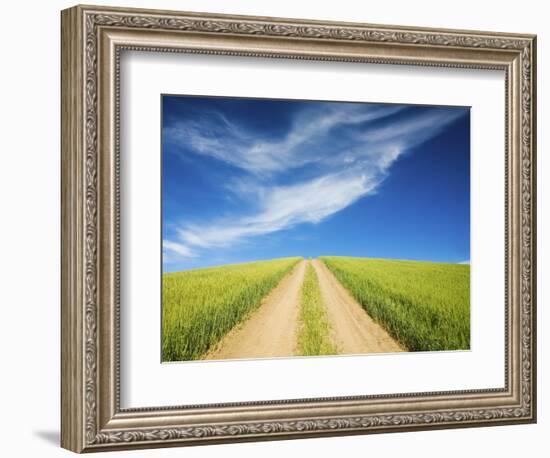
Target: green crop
<point>314,335</point>
<point>200,306</point>
<point>424,305</point>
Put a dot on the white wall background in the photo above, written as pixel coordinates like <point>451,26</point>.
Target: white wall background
<point>29,241</point>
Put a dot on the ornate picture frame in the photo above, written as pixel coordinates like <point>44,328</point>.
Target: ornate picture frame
<point>93,39</point>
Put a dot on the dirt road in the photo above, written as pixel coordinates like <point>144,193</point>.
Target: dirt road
<point>272,330</point>
<point>353,331</point>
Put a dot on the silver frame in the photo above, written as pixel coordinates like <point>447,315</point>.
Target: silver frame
<point>92,40</point>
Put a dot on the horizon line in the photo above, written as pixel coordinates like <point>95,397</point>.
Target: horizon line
<point>214,266</point>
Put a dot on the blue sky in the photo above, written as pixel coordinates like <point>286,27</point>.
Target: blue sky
<point>249,179</point>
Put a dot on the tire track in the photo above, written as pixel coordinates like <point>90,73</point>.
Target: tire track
<point>272,330</point>
<point>354,331</point>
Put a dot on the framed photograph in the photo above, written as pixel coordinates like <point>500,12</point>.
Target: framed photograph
<point>278,228</point>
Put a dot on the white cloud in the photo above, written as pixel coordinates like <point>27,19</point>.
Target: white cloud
<point>424,127</point>
<point>211,136</point>
<point>282,208</point>
<point>178,248</point>
<point>465,262</point>
<point>347,169</point>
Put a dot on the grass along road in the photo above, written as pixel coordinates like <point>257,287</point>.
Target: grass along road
<point>316,334</point>
<point>291,307</point>
<point>272,330</point>
<point>308,313</point>
<point>354,331</point>
<point>200,306</point>
<point>423,305</point>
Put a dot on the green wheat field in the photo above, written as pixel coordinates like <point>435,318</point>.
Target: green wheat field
<point>200,306</point>
<point>425,306</point>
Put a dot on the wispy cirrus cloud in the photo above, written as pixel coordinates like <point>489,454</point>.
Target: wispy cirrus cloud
<point>178,248</point>
<point>282,208</point>
<point>214,135</point>
<point>346,151</point>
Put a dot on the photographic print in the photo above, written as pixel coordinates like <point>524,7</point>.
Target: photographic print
<point>313,228</point>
